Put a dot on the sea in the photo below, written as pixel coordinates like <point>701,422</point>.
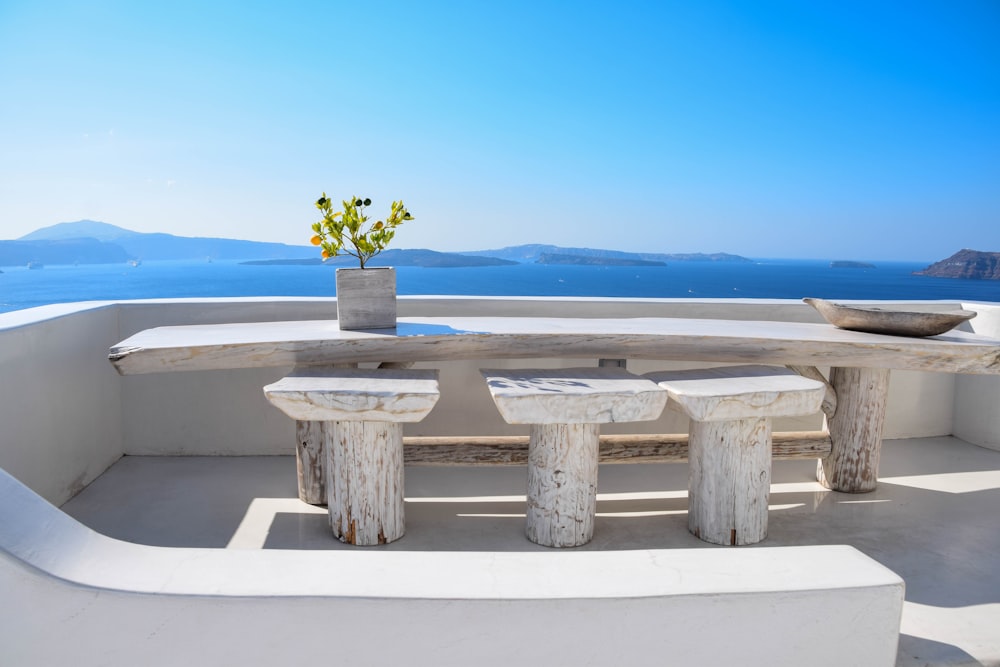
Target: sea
<point>22,288</point>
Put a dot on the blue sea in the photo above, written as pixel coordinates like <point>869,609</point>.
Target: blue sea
<point>764,279</point>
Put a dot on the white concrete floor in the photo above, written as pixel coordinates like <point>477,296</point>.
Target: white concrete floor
<point>934,520</point>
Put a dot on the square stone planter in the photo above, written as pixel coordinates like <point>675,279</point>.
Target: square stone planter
<point>366,298</point>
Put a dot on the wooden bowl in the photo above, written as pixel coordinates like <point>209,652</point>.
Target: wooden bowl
<point>891,322</point>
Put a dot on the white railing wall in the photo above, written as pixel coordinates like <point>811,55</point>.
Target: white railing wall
<point>60,402</point>
<point>977,397</point>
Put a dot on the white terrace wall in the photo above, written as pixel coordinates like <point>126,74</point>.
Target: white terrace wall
<point>977,397</point>
<point>65,415</point>
<point>60,403</point>
<point>76,597</point>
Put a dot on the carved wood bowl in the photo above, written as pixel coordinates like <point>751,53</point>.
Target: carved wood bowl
<point>891,322</point>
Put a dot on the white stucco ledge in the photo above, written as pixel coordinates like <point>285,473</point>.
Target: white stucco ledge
<point>73,596</point>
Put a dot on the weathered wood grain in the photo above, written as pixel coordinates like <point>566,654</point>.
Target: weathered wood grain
<point>365,481</point>
<point>856,430</point>
<point>310,457</point>
<point>730,481</point>
<point>355,394</point>
<point>573,395</point>
<point>829,406</point>
<point>740,392</point>
<point>616,448</point>
<point>366,298</point>
<point>310,461</point>
<point>562,484</point>
<point>262,344</point>
<point>355,416</point>
<point>565,408</point>
<point>730,442</point>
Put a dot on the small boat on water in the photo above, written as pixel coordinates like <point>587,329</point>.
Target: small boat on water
<point>35,265</point>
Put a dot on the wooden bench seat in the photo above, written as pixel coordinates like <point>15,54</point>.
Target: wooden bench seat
<point>729,447</point>
<point>565,408</point>
<point>362,411</point>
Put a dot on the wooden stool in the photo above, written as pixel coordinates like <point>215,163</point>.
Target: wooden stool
<point>730,442</point>
<point>564,408</point>
<point>363,411</point>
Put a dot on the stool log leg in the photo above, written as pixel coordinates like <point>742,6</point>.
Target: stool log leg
<point>855,430</point>
<point>364,481</point>
<point>562,484</point>
<point>730,480</point>
<point>310,456</point>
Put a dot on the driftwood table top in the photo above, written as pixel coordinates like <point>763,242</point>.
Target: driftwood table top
<point>318,342</point>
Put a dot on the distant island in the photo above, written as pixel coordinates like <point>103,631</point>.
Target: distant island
<point>430,259</point>
<point>974,264</point>
<point>94,242</point>
<point>582,260</point>
<point>530,253</point>
<point>61,251</point>
<point>847,264</point>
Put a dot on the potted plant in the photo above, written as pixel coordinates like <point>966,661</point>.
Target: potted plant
<point>366,296</point>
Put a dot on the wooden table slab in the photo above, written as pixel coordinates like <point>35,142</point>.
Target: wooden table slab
<point>316,342</point>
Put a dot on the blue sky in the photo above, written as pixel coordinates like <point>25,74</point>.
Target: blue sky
<point>847,130</point>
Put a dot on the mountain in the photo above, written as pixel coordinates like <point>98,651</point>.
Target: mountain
<point>698,257</point>
<point>92,242</point>
<point>966,263</point>
<point>582,260</point>
<point>168,246</point>
<point>61,251</point>
<point>532,252</point>
<point>90,229</point>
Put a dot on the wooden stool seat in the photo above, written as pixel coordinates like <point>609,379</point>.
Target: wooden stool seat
<point>564,408</point>
<point>362,411</point>
<point>730,442</point>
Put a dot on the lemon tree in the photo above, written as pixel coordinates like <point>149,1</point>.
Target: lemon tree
<point>348,231</point>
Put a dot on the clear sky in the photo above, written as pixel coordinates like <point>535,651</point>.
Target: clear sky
<point>799,129</point>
